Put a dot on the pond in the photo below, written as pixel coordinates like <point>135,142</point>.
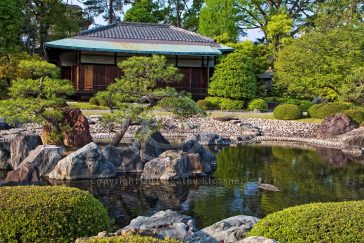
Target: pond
<point>303,175</point>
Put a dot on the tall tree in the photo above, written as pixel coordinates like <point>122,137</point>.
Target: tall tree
<point>11,23</point>
<point>146,11</point>
<point>218,19</point>
<point>111,10</point>
<point>256,14</point>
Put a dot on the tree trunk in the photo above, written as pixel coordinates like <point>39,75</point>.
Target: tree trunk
<point>178,21</point>
<point>118,136</point>
<point>111,12</point>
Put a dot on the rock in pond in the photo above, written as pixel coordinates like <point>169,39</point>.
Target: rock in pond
<point>43,159</point>
<point>86,163</point>
<point>124,159</point>
<point>4,159</point>
<point>227,230</point>
<point>335,125</point>
<point>256,239</point>
<point>21,146</point>
<point>154,146</point>
<point>22,175</point>
<point>170,165</point>
<point>202,160</point>
<point>164,224</point>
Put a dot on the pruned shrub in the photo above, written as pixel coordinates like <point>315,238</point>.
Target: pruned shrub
<point>305,105</point>
<point>322,111</point>
<point>93,101</point>
<point>203,104</point>
<point>356,114</point>
<point>293,102</point>
<point>181,106</point>
<point>258,104</point>
<point>214,102</point>
<point>228,104</point>
<point>49,214</point>
<point>316,222</point>
<point>287,112</point>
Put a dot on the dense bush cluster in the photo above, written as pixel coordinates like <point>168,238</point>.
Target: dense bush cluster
<point>259,104</point>
<point>356,114</point>
<point>287,112</point>
<point>49,214</point>
<point>316,222</point>
<point>324,110</point>
<point>224,103</point>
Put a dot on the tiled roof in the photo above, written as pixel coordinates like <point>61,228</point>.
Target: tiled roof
<point>146,32</point>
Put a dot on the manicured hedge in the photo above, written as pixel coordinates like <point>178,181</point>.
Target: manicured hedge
<point>49,214</point>
<point>316,222</point>
<point>305,105</point>
<point>224,103</point>
<point>324,110</point>
<point>127,239</point>
<point>203,104</point>
<point>287,112</point>
<point>356,114</point>
<point>258,104</point>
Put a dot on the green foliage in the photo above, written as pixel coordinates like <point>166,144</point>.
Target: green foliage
<point>214,102</point>
<point>322,111</point>
<point>292,101</point>
<point>278,30</point>
<point>11,23</point>
<point>34,69</point>
<point>203,104</point>
<point>230,105</point>
<point>93,101</point>
<point>127,239</point>
<point>258,104</point>
<point>320,62</point>
<point>181,106</point>
<point>356,114</point>
<point>353,89</point>
<point>316,222</point>
<point>49,213</point>
<point>305,105</point>
<point>234,78</point>
<point>87,106</point>
<point>217,19</point>
<point>287,112</point>
<point>144,11</point>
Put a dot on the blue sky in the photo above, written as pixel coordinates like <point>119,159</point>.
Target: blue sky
<point>252,34</point>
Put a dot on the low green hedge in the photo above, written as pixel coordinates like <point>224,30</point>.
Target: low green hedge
<point>356,114</point>
<point>203,104</point>
<point>126,239</point>
<point>258,104</point>
<point>305,105</point>
<point>324,110</point>
<point>316,222</point>
<point>287,112</point>
<point>49,214</point>
<point>224,103</point>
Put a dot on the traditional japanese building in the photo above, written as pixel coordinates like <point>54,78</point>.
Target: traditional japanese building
<point>90,58</point>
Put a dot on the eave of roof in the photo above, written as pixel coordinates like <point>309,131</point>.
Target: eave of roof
<point>134,48</point>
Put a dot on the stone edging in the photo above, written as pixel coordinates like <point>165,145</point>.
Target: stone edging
<point>311,141</point>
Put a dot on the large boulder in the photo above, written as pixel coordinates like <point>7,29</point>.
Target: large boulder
<point>124,159</point>
<point>44,158</point>
<point>164,224</point>
<point>202,160</point>
<point>154,146</point>
<point>78,134</point>
<point>4,159</point>
<point>227,230</point>
<point>335,125</point>
<point>23,175</point>
<point>4,125</point>
<point>21,146</point>
<point>170,165</point>
<point>86,163</point>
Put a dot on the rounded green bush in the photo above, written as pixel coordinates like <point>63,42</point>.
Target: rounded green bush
<point>356,114</point>
<point>228,104</point>
<point>203,104</point>
<point>214,102</point>
<point>93,101</point>
<point>293,102</point>
<point>305,105</point>
<point>287,112</point>
<point>316,222</point>
<point>322,111</point>
<point>258,104</point>
<point>49,214</point>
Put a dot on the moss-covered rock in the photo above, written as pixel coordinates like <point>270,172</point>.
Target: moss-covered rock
<point>316,222</point>
<point>49,214</point>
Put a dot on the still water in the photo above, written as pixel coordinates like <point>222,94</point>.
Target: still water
<point>303,175</point>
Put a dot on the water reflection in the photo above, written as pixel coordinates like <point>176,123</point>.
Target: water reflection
<point>302,175</point>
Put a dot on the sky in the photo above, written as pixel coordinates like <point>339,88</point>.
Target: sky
<point>251,34</point>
